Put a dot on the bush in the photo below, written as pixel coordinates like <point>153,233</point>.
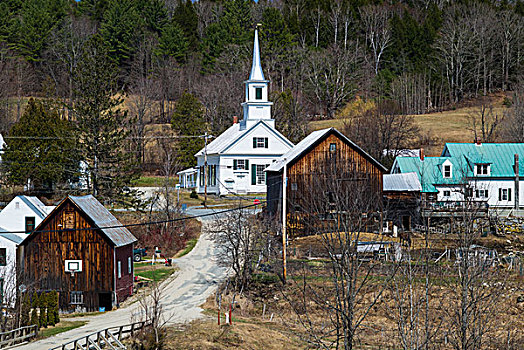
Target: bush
<point>193,195</point>
<point>507,102</point>
<point>34,312</point>
<point>43,310</point>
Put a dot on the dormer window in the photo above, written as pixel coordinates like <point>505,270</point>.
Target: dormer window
<point>258,93</point>
<point>447,171</point>
<point>482,169</point>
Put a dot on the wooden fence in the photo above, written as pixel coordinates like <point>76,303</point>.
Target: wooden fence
<point>110,337</point>
<point>18,335</point>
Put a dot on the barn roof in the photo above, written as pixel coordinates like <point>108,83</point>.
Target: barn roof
<point>310,141</point>
<point>404,182</point>
<point>104,220</point>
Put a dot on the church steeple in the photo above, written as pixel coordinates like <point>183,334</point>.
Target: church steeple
<point>256,106</point>
<point>256,68</point>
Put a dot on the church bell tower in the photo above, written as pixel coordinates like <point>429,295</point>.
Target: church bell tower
<point>256,106</point>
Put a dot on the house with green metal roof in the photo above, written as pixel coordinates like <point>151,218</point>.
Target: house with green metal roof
<point>485,172</point>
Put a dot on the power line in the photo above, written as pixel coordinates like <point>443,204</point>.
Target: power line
<point>143,223</point>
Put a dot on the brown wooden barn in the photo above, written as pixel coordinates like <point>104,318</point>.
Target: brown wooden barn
<point>81,251</point>
<point>325,171</point>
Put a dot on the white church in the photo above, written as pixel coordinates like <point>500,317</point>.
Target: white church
<point>236,159</point>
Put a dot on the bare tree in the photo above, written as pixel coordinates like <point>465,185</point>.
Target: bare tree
<point>244,242</point>
<point>151,310</point>
<point>376,25</point>
<point>485,122</point>
<point>340,201</point>
<point>514,119</point>
<point>333,77</point>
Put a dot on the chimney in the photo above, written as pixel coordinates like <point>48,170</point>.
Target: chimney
<point>517,179</point>
<point>422,154</point>
<point>235,120</point>
<point>478,141</point>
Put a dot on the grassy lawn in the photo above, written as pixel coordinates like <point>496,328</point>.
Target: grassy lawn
<point>156,274</point>
<point>447,126</point>
<point>153,181</point>
<point>63,326</point>
<point>189,247</point>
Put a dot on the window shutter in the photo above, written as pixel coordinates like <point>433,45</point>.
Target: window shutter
<point>265,142</point>
<point>477,194</point>
<point>254,142</point>
<point>246,164</point>
<point>486,193</point>
<point>234,164</point>
<point>254,174</point>
<point>509,194</point>
<point>500,194</point>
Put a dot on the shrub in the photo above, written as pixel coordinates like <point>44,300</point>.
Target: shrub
<point>193,195</point>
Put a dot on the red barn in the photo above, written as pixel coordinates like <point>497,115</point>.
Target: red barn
<point>82,251</point>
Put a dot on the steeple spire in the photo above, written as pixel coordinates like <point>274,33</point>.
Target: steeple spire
<point>256,68</point>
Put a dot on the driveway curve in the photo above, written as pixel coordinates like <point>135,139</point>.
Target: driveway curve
<point>197,278</point>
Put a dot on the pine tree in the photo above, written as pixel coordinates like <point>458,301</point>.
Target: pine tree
<point>172,42</point>
<point>120,29</point>
<point>188,120</point>
<point>101,122</point>
<point>42,149</point>
<point>34,312</point>
<point>43,310</point>
<point>24,312</point>
<point>154,14</point>
<point>186,16</point>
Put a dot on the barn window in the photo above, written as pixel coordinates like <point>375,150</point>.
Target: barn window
<point>77,298</point>
<point>3,256</point>
<point>294,186</point>
<point>29,224</point>
<point>69,219</point>
<point>129,268</point>
<point>332,147</point>
<point>119,269</point>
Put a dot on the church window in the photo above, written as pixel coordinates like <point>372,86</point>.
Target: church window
<point>258,176</point>
<point>258,93</point>
<point>260,142</point>
<point>240,164</point>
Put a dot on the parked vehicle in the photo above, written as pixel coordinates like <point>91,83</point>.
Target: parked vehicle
<point>139,253</point>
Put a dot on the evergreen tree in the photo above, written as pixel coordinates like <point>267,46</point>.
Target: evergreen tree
<point>43,310</point>
<point>26,308</point>
<point>234,27</point>
<point>186,17</point>
<point>29,29</point>
<point>188,120</point>
<point>42,149</point>
<point>95,9</point>
<point>154,14</point>
<point>101,123</point>
<point>120,29</point>
<point>172,42</point>
<point>34,312</point>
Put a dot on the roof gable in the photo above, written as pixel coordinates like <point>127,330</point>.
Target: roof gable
<point>234,134</point>
<point>98,215</point>
<point>312,140</point>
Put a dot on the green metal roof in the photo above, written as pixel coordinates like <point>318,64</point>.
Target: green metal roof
<point>429,171</point>
<point>500,156</point>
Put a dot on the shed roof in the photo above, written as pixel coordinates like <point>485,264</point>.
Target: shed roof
<point>104,220</point>
<point>404,182</point>
<point>310,141</point>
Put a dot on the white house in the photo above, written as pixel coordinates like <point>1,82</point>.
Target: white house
<point>23,214</point>
<point>8,244</point>
<point>482,172</point>
<point>235,161</point>
<point>2,143</point>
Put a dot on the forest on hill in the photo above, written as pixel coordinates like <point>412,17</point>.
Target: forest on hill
<point>91,57</point>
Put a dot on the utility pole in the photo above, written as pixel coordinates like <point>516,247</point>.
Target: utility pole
<point>205,169</point>
<point>284,221</point>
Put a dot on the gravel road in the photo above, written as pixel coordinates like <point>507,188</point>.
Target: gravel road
<point>197,278</point>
